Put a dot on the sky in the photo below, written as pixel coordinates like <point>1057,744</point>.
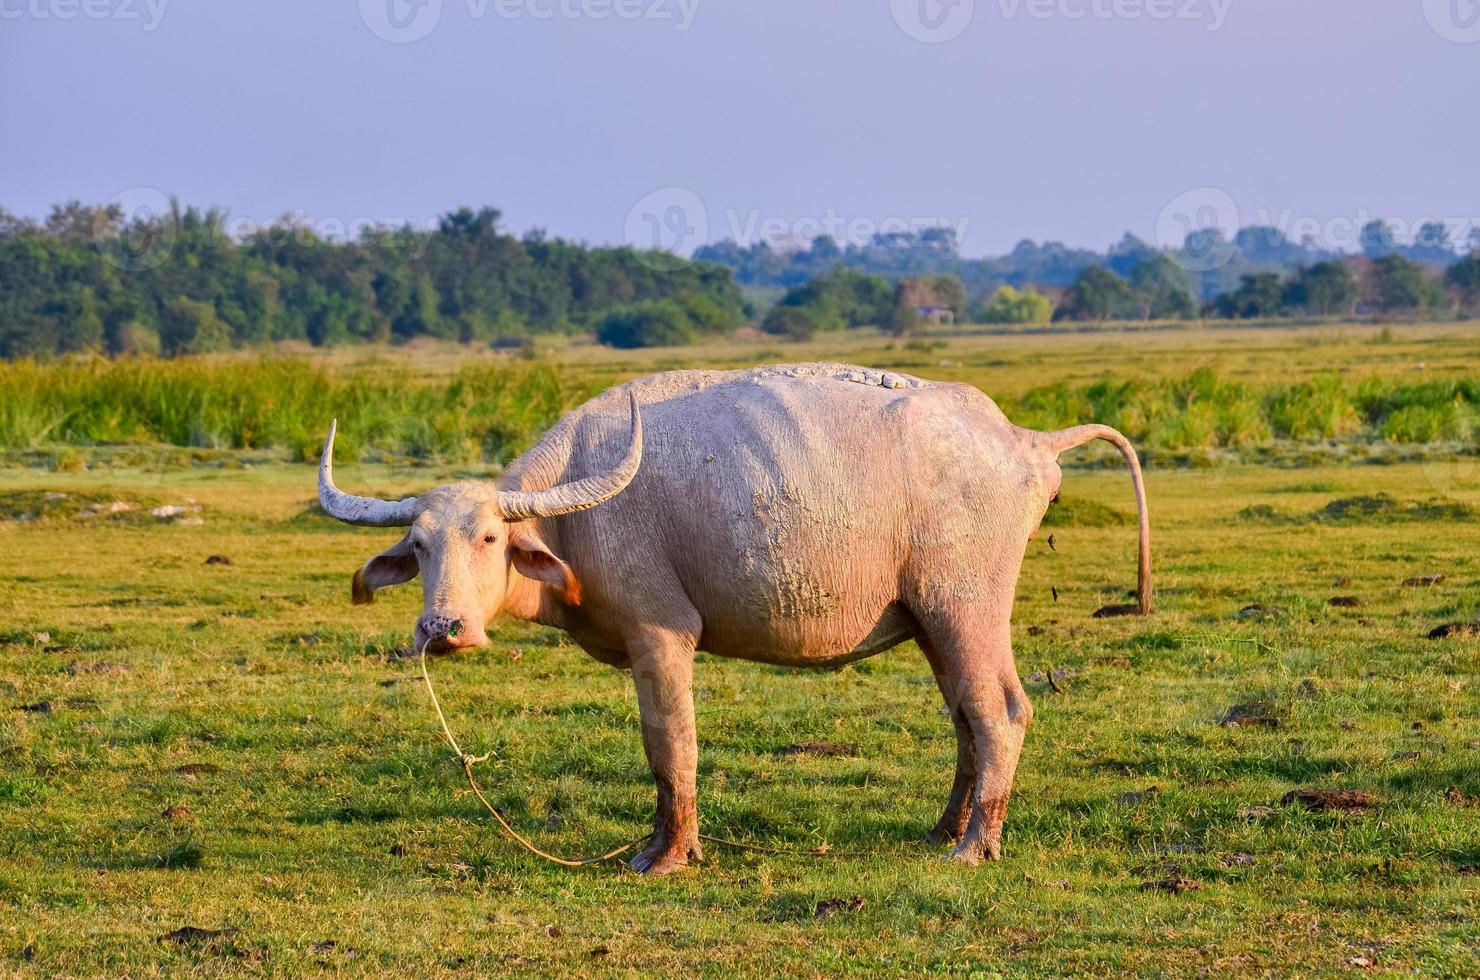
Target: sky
<point>672,122</point>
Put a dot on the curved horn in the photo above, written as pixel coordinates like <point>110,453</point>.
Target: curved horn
<point>367,511</point>
<point>567,498</point>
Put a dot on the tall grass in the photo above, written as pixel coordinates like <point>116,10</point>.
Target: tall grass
<point>1202,411</point>
<point>493,411</point>
<point>483,412</point>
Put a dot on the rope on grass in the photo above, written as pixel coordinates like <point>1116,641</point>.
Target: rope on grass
<point>469,761</point>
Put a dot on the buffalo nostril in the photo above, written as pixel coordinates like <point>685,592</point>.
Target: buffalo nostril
<point>454,628</point>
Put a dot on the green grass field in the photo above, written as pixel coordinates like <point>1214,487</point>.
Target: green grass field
<point>232,747</point>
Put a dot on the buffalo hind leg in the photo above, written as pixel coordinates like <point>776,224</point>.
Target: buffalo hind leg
<point>951,826</point>
<point>663,670</point>
<point>983,693</point>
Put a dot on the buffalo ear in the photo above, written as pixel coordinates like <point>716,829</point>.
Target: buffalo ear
<point>393,566</point>
<point>534,560</point>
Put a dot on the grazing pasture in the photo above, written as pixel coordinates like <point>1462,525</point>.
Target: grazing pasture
<point>210,762</point>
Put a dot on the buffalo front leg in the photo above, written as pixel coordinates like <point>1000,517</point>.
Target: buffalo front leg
<point>663,671</point>
<point>983,693</point>
<point>952,823</point>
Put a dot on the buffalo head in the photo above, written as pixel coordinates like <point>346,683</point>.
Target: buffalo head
<point>473,544</point>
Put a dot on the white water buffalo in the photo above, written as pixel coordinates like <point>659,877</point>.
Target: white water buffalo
<point>804,515</point>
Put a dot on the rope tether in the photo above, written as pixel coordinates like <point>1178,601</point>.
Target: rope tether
<point>469,761</point>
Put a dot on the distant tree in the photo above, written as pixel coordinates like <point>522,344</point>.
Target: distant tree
<point>836,300</point>
<point>870,300</point>
<point>1130,252</point>
<point>1464,278</point>
<point>14,225</point>
<point>824,249</point>
<point>125,326</point>
<point>797,322</point>
<point>938,239</point>
<point>1261,294</point>
<point>1266,245</point>
<point>187,326</point>
<point>657,323</point>
<point>1163,289</point>
<point>1097,295</point>
<point>1009,305</point>
<point>843,298</point>
<point>1324,289</point>
<point>1206,248</point>
<point>1400,286</point>
<point>76,312</point>
<point>421,316</point>
<point>1377,240</point>
<point>707,314</point>
<point>75,223</point>
<point>1432,245</point>
<point>470,225</point>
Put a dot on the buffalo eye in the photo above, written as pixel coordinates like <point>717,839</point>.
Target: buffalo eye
<point>490,538</point>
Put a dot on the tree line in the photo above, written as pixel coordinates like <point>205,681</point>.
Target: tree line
<point>1157,288</point>
<point>1389,286</point>
<point>1216,263</point>
<point>87,279</point>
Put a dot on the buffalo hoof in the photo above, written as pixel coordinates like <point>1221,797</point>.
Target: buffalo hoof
<point>661,858</point>
<point>972,853</point>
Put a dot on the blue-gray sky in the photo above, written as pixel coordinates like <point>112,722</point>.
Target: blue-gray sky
<point>1073,120</point>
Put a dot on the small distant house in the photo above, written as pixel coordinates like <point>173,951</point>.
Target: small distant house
<point>921,295</point>
<point>936,314</point>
